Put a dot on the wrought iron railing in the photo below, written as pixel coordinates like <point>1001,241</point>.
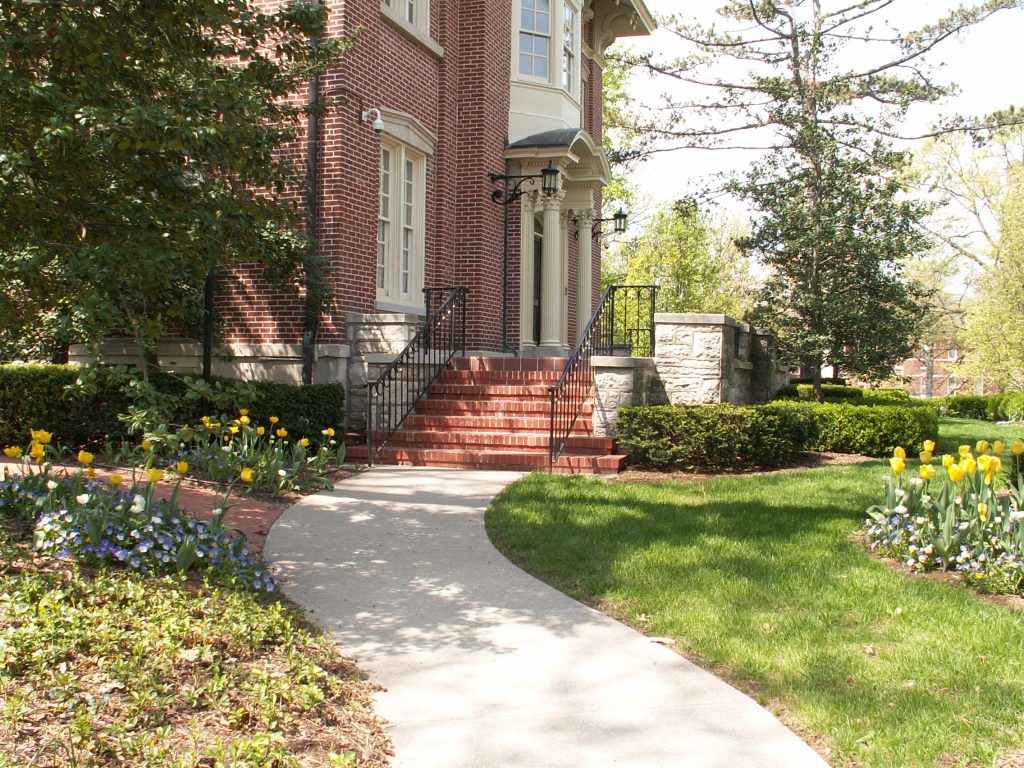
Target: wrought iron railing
<point>622,324</point>
<point>401,385</point>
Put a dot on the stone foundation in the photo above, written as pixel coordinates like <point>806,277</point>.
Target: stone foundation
<point>375,340</point>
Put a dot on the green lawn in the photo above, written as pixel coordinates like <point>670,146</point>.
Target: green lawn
<point>761,578</point>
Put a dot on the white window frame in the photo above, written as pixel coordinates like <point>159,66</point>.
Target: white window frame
<point>412,13</point>
<point>558,53</point>
<point>570,60</point>
<point>401,240</point>
<point>536,35</point>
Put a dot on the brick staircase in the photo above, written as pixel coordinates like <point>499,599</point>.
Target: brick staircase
<point>494,413</point>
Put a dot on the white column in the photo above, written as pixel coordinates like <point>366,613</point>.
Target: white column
<point>552,305</point>
<point>526,276</point>
<point>584,270</point>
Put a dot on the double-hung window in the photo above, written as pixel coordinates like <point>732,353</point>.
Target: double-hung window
<point>569,33</point>
<point>415,13</point>
<point>400,224</point>
<point>535,38</point>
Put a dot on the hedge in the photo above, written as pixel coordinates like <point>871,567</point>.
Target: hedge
<point>718,436</point>
<point>41,396</point>
<point>843,393</point>
<point>726,435</point>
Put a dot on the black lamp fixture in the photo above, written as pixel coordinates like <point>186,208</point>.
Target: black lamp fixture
<point>618,227</point>
<point>511,189</point>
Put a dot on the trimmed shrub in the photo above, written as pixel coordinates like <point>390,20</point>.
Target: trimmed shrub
<point>966,406</point>
<point>885,395</point>
<point>714,435</point>
<point>42,396</point>
<point>872,430</point>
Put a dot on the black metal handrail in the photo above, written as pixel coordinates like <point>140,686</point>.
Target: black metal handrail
<point>622,324</point>
<point>393,396</point>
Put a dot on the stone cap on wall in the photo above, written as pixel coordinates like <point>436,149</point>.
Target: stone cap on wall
<point>617,361</point>
<point>699,318</point>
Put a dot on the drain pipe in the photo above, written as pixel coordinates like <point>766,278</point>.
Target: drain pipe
<point>311,315</point>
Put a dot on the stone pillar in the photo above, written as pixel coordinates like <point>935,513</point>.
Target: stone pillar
<point>620,382</point>
<point>552,303</point>
<point>375,341</point>
<point>584,272</point>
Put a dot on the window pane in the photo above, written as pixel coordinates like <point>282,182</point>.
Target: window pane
<point>540,67</point>
<point>527,19</point>
<point>410,11</point>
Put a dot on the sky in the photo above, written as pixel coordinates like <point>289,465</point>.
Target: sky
<point>987,62</point>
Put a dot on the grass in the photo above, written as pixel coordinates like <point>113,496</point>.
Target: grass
<point>110,668</point>
<point>761,579</point>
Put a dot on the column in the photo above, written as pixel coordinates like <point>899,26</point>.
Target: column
<point>526,277</point>
<point>551,299</point>
<point>585,268</point>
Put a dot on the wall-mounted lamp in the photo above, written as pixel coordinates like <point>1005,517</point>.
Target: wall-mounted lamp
<point>619,225</point>
<point>378,121</point>
<point>511,189</point>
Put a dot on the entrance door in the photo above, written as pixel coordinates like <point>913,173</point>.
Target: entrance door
<point>538,250</point>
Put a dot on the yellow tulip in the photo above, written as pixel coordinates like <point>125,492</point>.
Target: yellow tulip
<point>926,457</point>
<point>146,444</point>
<point>155,475</point>
<point>41,436</point>
<point>982,511</point>
<point>981,446</point>
<point>260,431</point>
<point>12,451</point>
<point>90,472</point>
<point>927,471</point>
<point>243,412</point>
<point>929,445</point>
<point>36,451</point>
<point>995,466</point>
<point>233,429</point>
<point>304,442</point>
<point>274,419</point>
<point>330,431</point>
<point>947,461</point>
<point>898,464</point>
<point>281,432</point>
<point>84,457</point>
<point>983,462</point>
<point>1017,447</point>
<point>245,475</point>
<point>969,466</point>
<point>998,447</point>
<point>899,453</point>
<point>243,419</point>
<point>115,480</point>
<point>955,473</point>
<point>182,467</point>
<point>965,451</point>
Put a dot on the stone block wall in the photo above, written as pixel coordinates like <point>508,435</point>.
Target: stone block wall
<point>700,359</point>
<point>375,341</point>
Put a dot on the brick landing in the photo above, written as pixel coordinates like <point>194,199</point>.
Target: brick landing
<point>494,413</point>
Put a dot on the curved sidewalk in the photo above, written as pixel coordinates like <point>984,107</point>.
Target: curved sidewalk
<point>485,666</point>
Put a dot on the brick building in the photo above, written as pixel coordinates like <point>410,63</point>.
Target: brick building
<point>436,95</point>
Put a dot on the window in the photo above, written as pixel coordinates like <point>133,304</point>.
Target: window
<point>569,49</point>
<point>415,13</point>
<point>535,38</point>
<point>400,224</point>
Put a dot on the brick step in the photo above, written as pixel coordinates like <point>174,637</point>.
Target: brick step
<point>451,376</point>
<point>489,423</point>
<point>489,392</point>
<point>490,407</point>
<point>508,364</point>
<point>518,461</point>
<point>472,440</point>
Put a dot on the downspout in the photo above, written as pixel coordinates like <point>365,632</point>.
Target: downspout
<point>311,316</point>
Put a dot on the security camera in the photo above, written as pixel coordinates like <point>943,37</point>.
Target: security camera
<point>378,121</point>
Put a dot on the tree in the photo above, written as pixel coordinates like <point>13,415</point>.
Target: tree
<point>140,148</point>
<point>824,114</point>
<point>995,324</point>
<point>693,261</point>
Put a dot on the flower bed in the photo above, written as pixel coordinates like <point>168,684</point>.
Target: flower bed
<point>964,515</point>
<point>114,522</point>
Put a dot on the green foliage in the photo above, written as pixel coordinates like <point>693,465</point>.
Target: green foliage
<point>839,393</point>
<point>112,667</point>
<point>871,430</point>
<point>714,435</point>
<point>139,148</point>
<point>679,252</point>
<point>967,406</point>
<point>885,395</point>
<point>50,396</point>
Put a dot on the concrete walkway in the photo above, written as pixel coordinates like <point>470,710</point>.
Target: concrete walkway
<point>485,666</point>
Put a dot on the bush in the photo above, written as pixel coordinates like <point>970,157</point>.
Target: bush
<point>33,396</point>
<point>872,430</point>
<point>885,395</point>
<point>966,406</point>
<point>714,435</point>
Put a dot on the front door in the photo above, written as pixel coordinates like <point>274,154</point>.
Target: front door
<point>538,250</point>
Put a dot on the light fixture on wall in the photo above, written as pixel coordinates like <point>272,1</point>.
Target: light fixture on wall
<point>511,189</point>
<point>378,121</point>
<point>618,227</point>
